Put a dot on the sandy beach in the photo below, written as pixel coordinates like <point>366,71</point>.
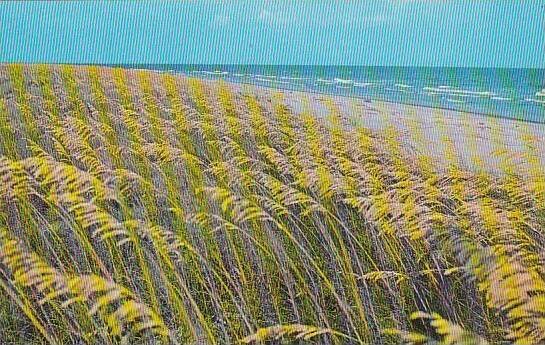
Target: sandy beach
<point>429,131</point>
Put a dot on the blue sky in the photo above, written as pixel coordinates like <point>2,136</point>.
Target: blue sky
<point>494,33</point>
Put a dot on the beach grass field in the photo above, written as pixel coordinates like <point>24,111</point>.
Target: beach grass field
<point>139,207</point>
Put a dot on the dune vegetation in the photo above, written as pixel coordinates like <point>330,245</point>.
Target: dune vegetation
<point>139,207</point>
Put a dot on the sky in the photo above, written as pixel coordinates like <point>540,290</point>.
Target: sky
<point>461,33</point>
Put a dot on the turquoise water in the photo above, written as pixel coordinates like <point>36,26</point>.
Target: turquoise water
<point>511,93</point>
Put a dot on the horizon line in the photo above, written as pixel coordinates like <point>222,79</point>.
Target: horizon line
<point>257,64</point>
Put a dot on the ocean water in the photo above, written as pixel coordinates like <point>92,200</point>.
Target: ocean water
<point>510,93</point>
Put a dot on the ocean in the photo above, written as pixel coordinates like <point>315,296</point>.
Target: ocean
<point>502,92</point>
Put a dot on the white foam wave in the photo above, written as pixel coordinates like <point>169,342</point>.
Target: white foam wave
<point>397,90</point>
<point>214,72</point>
<point>343,81</point>
<point>452,91</point>
<point>463,95</point>
<point>262,76</point>
<point>540,93</point>
<point>404,86</point>
<point>294,78</point>
<point>238,75</point>
<point>265,80</point>
<point>325,81</point>
<point>454,100</point>
<point>356,84</point>
<point>534,100</point>
<point>502,98</point>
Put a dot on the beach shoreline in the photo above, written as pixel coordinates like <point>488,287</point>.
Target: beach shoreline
<point>475,137</point>
<point>353,96</point>
<point>422,130</point>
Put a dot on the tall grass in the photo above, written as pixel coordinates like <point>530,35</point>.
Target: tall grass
<point>142,207</point>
